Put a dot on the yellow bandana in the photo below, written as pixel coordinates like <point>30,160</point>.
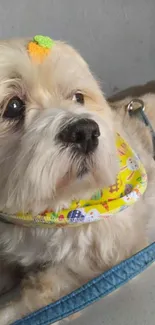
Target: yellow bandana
<point>130,184</point>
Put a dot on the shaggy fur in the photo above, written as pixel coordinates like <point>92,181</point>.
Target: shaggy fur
<point>39,173</point>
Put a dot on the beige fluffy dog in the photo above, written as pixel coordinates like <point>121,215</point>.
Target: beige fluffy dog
<point>41,169</point>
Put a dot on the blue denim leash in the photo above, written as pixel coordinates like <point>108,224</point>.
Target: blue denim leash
<point>93,290</point>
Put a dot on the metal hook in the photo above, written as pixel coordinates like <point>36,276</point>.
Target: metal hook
<point>131,109</point>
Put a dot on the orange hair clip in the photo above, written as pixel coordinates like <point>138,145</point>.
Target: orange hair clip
<point>40,47</point>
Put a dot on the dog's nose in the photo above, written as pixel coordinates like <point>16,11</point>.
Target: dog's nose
<point>83,134</point>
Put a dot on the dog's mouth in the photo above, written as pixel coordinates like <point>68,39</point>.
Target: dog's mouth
<point>81,168</point>
<point>72,175</point>
<point>82,171</point>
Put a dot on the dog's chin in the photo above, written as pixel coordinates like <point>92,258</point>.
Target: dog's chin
<point>81,182</point>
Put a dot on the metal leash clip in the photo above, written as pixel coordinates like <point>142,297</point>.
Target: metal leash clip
<point>132,107</point>
<point>139,110</point>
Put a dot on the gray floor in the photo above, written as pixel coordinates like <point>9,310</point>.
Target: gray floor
<point>117,38</point>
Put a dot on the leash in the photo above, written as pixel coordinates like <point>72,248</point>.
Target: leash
<point>140,112</point>
<point>95,289</point>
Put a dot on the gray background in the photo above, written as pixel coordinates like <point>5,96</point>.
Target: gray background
<point>116,37</point>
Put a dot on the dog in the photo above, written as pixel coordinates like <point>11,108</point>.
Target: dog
<point>57,144</point>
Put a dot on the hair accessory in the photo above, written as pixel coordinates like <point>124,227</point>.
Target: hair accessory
<point>40,47</point>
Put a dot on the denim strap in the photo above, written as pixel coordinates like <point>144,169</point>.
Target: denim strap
<point>95,289</point>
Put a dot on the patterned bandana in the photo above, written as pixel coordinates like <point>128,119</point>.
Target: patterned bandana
<point>130,184</point>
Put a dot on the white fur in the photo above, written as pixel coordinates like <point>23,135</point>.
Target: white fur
<point>38,173</point>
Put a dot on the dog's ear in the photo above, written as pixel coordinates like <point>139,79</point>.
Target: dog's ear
<point>135,91</point>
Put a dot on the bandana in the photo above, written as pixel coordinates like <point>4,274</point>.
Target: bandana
<point>130,184</point>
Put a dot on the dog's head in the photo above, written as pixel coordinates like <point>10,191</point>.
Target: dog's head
<point>57,141</point>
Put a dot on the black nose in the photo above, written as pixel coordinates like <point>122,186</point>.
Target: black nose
<point>83,134</point>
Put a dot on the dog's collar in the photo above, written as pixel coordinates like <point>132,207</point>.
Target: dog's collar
<point>130,184</point>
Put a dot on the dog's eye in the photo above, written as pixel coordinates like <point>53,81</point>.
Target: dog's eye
<point>78,97</point>
<point>15,108</point>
